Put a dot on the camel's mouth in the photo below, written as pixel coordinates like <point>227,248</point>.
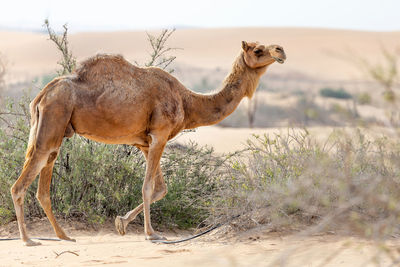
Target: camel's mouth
<point>279,60</point>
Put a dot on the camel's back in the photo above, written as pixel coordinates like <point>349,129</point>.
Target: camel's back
<point>104,67</point>
<point>104,70</point>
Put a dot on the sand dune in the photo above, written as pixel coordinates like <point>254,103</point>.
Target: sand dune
<point>313,52</point>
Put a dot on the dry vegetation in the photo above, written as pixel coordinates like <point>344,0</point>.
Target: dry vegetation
<point>290,181</point>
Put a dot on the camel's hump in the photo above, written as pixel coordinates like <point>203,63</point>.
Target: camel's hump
<point>104,66</point>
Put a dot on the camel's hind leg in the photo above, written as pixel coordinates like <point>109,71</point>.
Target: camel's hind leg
<point>43,195</point>
<point>33,164</point>
<point>45,139</point>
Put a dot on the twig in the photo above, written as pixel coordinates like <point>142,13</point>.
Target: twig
<point>66,251</point>
<point>158,56</point>
<point>12,113</point>
<point>68,61</point>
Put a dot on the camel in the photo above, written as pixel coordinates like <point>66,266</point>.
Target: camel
<point>109,100</point>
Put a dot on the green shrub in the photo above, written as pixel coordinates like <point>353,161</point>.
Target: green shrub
<point>335,93</point>
<point>192,173</point>
<point>364,99</point>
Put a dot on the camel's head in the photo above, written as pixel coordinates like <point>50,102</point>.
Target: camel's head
<point>257,55</point>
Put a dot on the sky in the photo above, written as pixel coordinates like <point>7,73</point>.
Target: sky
<point>111,15</point>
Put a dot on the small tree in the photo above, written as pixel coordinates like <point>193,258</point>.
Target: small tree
<point>387,76</point>
<point>67,62</point>
<point>159,55</point>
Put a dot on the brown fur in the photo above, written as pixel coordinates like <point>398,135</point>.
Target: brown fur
<point>103,67</point>
<point>109,100</point>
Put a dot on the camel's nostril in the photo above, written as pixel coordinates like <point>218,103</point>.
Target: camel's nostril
<point>278,49</point>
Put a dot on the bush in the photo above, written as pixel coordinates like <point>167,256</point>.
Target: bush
<point>290,181</point>
<point>364,99</point>
<point>192,173</point>
<point>335,93</point>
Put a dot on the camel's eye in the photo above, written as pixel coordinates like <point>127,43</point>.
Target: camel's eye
<point>258,52</point>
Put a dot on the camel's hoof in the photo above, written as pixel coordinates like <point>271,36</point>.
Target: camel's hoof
<point>66,238</point>
<point>119,225</point>
<point>31,243</point>
<point>69,239</point>
<point>155,237</point>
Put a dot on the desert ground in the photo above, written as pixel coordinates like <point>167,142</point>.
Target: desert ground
<point>256,248</point>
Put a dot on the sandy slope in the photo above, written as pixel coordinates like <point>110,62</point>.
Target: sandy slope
<point>312,52</point>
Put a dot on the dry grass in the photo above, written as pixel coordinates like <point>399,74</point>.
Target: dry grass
<point>349,184</point>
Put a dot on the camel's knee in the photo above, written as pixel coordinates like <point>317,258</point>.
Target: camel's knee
<point>146,191</point>
<point>43,198</point>
<point>42,195</point>
<point>17,194</point>
<point>163,190</point>
<point>160,193</point>
<point>13,190</point>
<point>163,193</point>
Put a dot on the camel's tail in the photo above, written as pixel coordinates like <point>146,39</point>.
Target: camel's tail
<point>34,109</point>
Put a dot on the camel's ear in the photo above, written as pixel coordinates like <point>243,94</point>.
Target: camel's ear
<point>245,46</point>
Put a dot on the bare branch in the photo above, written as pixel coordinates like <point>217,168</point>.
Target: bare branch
<point>158,55</point>
<point>68,62</point>
<point>11,113</point>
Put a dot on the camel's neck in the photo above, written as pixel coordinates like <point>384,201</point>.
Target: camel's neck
<point>203,110</point>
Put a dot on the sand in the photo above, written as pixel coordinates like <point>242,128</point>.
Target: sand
<point>229,140</point>
<point>106,247</point>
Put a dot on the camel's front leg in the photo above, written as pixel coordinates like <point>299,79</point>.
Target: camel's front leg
<point>160,190</point>
<point>153,160</point>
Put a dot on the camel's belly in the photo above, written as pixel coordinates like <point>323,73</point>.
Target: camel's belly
<point>134,139</point>
<point>129,130</point>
